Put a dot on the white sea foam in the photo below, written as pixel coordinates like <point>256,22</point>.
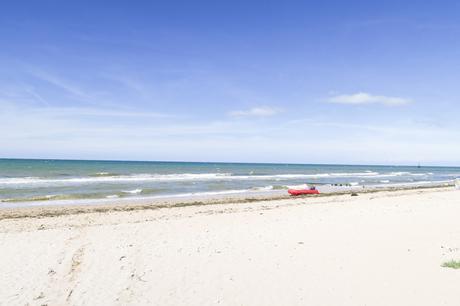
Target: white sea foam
<point>211,193</point>
<point>110,179</point>
<point>265,188</point>
<point>419,183</point>
<point>400,173</point>
<point>135,191</point>
<point>193,177</point>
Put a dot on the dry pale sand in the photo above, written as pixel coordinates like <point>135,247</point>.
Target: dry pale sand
<point>382,248</point>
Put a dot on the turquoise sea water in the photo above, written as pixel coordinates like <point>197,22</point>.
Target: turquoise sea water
<point>48,180</point>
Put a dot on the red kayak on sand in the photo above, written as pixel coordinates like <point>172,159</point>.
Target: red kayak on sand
<point>296,192</point>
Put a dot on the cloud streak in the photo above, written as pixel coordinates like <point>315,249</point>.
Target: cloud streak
<point>363,98</point>
<point>61,84</point>
<point>263,111</point>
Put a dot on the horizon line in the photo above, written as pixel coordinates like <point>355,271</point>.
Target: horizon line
<point>223,162</point>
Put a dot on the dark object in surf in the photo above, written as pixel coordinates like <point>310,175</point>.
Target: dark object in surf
<point>354,194</point>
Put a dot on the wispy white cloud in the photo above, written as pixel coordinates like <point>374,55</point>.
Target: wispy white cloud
<point>365,98</point>
<point>263,111</point>
<point>15,109</point>
<point>61,83</point>
<point>36,97</point>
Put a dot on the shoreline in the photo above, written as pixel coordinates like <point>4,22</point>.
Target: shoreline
<point>70,182</point>
<point>120,205</point>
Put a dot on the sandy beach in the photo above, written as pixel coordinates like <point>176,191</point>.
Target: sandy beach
<point>380,248</point>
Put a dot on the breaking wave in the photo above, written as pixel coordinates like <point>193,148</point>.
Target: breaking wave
<point>105,177</point>
<point>135,191</point>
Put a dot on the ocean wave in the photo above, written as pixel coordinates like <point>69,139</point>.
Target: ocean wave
<point>124,195</point>
<point>265,188</point>
<point>99,174</point>
<point>402,173</point>
<point>105,177</point>
<point>35,198</point>
<point>135,191</point>
<point>109,179</point>
<point>59,197</point>
<point>418,183</point>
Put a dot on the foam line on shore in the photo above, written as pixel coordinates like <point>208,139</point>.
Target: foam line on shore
<point>74,207</point>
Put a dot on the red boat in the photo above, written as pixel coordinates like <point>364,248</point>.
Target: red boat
<point>296,192</point>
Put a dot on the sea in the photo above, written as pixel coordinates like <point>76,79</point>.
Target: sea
<point>45,180</point>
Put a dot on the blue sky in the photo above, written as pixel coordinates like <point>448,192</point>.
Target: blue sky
<point>255,81</point>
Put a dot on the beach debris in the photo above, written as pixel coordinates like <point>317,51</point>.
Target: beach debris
<point>40,296</point>
<point>69,295</point>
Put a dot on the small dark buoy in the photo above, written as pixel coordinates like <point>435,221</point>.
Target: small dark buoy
<point>354,194</point>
